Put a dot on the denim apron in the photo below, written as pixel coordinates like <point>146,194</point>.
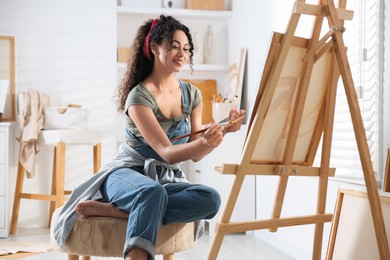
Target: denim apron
<point>179,128</point>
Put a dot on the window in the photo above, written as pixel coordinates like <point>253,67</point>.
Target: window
<point>364,59</point>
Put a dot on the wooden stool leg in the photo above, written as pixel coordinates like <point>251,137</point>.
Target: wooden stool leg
<point>53,185</point>
<point>97,157</point>
<point>86,257</point>
<point>169,257</point>
<point>73,257</point>
<point>58,181</point>
<point>17,197</point>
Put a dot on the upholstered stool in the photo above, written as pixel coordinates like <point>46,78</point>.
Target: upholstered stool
<point>102,236</point>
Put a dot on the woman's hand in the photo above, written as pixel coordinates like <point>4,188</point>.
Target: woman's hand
<point>213,136</point>
<point>233,115</point>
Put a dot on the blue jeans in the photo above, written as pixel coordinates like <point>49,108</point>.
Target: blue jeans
<point>151,204</point>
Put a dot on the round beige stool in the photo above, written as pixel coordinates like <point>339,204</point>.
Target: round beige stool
<point>102,236</point>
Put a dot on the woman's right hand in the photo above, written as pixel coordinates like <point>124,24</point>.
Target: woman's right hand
<point>213,136</point>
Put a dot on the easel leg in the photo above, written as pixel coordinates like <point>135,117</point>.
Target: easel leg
<point>279,199</point>
<point>225,218</point>
<point>360,135</point>
<point>216,245</point>
<point>325,157</point>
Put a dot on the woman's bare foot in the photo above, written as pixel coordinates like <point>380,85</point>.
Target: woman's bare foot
<point>136,253</point>
<point>92,208</point>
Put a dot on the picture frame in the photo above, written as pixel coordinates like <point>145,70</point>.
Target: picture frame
<point>7,79</point>
<point>386,179</point>
<point>236,79</point>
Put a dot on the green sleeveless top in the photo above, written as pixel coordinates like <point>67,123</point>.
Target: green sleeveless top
<point>140,95</point>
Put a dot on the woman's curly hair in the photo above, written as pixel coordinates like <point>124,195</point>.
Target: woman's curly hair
<point>139,66</point>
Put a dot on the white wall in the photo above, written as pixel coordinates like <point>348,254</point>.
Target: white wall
<point>64,48</point>
<point>68,48</point>
<point>249,27</point>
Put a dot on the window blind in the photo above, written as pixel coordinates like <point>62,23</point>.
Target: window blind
<point>362,38</point>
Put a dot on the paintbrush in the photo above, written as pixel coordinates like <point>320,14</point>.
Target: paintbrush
<point>225,123</point>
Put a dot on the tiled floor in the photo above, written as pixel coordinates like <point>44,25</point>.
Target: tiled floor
<point>234,247</point>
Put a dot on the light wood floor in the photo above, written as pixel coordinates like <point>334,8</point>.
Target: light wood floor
<point>237,246</point>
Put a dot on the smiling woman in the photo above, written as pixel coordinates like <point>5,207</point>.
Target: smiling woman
<point>145,178</point>
<point>7,78</point>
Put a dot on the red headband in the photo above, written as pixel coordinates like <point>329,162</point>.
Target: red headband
<point>146,43</point>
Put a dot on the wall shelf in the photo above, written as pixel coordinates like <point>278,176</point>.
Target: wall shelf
<point>200,18</point>
<point>197,67</point>
<point>178,13</point>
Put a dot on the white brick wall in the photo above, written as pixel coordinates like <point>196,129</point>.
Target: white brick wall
<point>64,48</point>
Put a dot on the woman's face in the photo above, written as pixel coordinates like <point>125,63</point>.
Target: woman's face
<point>174,56</point>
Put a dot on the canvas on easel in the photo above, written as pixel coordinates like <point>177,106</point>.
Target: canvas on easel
<point>294,109</point>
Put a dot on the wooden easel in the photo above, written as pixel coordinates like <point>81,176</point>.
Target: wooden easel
<point>295,151</point>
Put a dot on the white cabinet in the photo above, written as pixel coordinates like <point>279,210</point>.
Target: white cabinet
<point>203,172</point>
<point>4,168</point>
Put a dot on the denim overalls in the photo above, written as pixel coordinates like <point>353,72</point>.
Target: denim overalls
<point>183,127</point>
<point>151,204</point>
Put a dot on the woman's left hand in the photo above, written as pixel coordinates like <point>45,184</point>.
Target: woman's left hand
<point>233,115</point>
